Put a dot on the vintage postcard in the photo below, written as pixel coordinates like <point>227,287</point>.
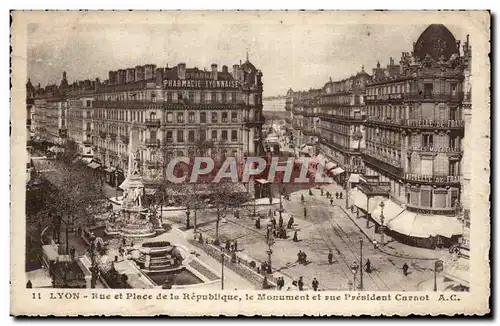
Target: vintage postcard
<point>273,163</point>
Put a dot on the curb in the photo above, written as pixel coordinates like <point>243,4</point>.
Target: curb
<point>378,247</point>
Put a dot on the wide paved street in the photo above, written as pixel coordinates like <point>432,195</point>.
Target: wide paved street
<point>325,228</point>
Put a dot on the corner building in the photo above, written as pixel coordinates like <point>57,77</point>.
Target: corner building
<point>174,110</point>
<point>415,129</point>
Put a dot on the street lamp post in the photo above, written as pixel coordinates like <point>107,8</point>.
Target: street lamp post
<point>222,269</point>
<point>270,242</point>
<point>361,263</point>
<point>116,183</point>
<point>188,226</point>
<point>382,227</point>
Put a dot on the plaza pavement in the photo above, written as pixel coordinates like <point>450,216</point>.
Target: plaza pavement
<point>326,227</point>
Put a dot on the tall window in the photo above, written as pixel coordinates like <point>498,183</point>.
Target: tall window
<point>180,136</point>
<point>233,97</point>
<point>453,168</point>
<point>427,140</point>
<point>453,113</point>
<point>191,96</point>
<point>180,117</point>
<point>428,88</point>
<point>170,117</point>
<point>169,136</point>
<point>179,97</point>
<point>203,117</point>
<point>224,116</point>
<point>223,97</point>
<point>214,97</point>
<point>169,97</point>
<point>234,135</point>
<point>214,117</point>
<point>214,135</point>
<point>224,135</point>
<point>234,116</point>
<point>191,117</point>
<point>191,136</point>
<point>203,134</point>
<point>202,97</point>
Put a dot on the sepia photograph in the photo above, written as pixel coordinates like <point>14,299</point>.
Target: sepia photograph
<point>322,161</point>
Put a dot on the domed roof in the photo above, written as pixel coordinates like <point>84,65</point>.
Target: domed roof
<point>247,66</point>
<point>437,41</point>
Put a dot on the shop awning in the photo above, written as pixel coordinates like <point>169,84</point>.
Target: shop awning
<point>337,171</point>
<point>330,165</point>
<point>358,198</point>
<point>391,211</point>
<point>424,226</point>
<point>94,165</point>
<point>354,178</point>
<point>87,160</point>
<point>110,169</point>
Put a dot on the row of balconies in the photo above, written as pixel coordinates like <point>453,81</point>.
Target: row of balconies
<point>393,167</point>
<point>416,96</point>
<point>418,123</point>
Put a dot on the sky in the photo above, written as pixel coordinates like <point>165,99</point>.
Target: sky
<point>290,56</point>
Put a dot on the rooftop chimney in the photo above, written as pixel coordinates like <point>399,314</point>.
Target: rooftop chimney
<point>235,71</point>
<point>159,76</point>
<point>214,71</point>
<point>181,71</point>
<point>224,69</point>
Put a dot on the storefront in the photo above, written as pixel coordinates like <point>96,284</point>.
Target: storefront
<point>418,230</point>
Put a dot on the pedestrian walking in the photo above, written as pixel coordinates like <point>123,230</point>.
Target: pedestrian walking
<point>299,256</point>
<point>280,222</point>
<point>330,257</point>
<point>300,283</point>
<point>265,284</point>
<point>315,284</point>
<point>270,200</point>
<point>368,266</point>
<point>328,194</point>
<point>340,195</point>
<point>257,223</point>
<point>336,195</point>
<point>269,213</point>
<point>290,222</point>
<point>304,258</point>
<point>310,192</point>
<point>301,198</point>
<point>273,221</point>
<point>331,201</point>
<point>305,212</point>
<point>405,269</point>
<point>321,191</point>
<point>295,237</point>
